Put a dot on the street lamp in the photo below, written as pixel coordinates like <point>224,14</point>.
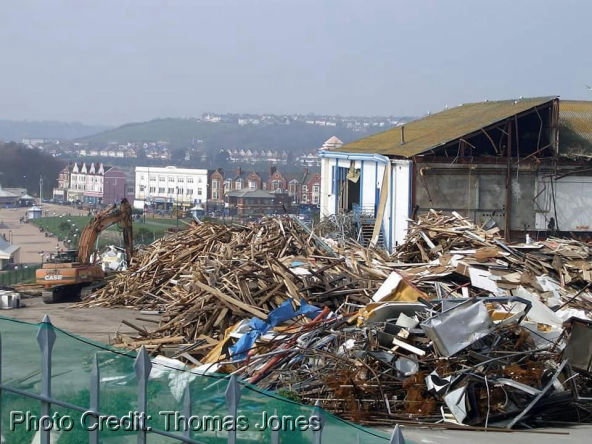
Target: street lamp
<point>177,207</point>
<point>147,203</point>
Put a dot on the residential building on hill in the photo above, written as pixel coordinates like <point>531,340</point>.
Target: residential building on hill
<point>252,156</point>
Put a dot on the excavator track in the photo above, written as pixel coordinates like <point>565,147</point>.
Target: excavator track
<point>62,293</point>
<point>87,290</point>
<point>70,293</point>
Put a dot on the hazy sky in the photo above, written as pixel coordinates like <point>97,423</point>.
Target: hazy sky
<point>114,61</point>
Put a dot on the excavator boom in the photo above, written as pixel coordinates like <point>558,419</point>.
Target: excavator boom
<point>99,223</point>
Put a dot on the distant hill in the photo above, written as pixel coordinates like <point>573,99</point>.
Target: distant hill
<point>182,133</point>
<point>17,130</point>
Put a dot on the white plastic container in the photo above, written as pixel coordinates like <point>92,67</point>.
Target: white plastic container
<point>9,299</point>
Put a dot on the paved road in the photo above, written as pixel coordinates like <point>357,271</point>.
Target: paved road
<point>27,235</point>
<point>97,323</point>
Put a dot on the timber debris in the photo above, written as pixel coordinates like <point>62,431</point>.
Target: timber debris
<point>457,327</point>
<point>210,276</point>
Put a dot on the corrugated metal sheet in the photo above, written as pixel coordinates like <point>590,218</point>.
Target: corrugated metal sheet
<point>438,129</point>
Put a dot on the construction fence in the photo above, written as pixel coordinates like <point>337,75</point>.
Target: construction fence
<point>60,388</point>
<point>21,274</point>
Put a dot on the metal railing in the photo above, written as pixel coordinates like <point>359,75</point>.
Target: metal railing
<point>364,210</point>
<point>46,338</point>
<point>366,215</point>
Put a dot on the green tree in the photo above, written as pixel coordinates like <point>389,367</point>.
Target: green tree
<point>22,167</point>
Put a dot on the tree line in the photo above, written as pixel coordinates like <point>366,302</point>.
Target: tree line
<point>23,167</point>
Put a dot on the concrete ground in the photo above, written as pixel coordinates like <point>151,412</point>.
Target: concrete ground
<point>27,235</point>
<point>424,435</point>
<point>97,323</point>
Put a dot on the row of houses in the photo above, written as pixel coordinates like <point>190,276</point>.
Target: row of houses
<point>248,192</point>
<point>253,156</point>
<point>165,187</point>
<point>522,164</point>
<point>121,153</point>
<point>300,187</point>
<point>126,153</point>
<point>93,184</point>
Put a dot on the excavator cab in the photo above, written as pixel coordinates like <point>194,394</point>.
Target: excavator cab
<point>63,257</point>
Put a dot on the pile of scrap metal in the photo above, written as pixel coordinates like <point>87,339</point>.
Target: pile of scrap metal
<point>487,361</point>
<point>465,330</point>
<point>113,259</point>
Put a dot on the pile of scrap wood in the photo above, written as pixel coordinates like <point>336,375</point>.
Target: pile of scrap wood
<point>210,276</point>
<point>457,327</point>
<point>446,255</point>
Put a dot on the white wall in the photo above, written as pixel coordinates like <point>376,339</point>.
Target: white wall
<point>327,197</point>
<point>370,172</point>
<point>398,204</point>
<point>573,203</point>
<point>401,173</point>
<point>193,183</point>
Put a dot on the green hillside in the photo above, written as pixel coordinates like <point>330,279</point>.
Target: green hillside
<point>181,133</point>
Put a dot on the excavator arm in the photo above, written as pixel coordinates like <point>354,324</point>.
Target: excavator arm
<point>101,222</point>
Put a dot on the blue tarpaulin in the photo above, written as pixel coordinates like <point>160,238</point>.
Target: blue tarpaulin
<point>244,344</point>
<point>258,327</point>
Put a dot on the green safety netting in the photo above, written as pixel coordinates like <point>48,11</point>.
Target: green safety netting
<point>72,361</point>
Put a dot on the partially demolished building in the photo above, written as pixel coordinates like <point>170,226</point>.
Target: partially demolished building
<point>503,161</point>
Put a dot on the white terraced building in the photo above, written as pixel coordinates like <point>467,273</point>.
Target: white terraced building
<point>164,187</point>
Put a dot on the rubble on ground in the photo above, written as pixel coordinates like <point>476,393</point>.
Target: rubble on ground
<point>210,276</point>
<point>456,327</point>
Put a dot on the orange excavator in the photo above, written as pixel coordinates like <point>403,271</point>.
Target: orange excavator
<point>71,274</point>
